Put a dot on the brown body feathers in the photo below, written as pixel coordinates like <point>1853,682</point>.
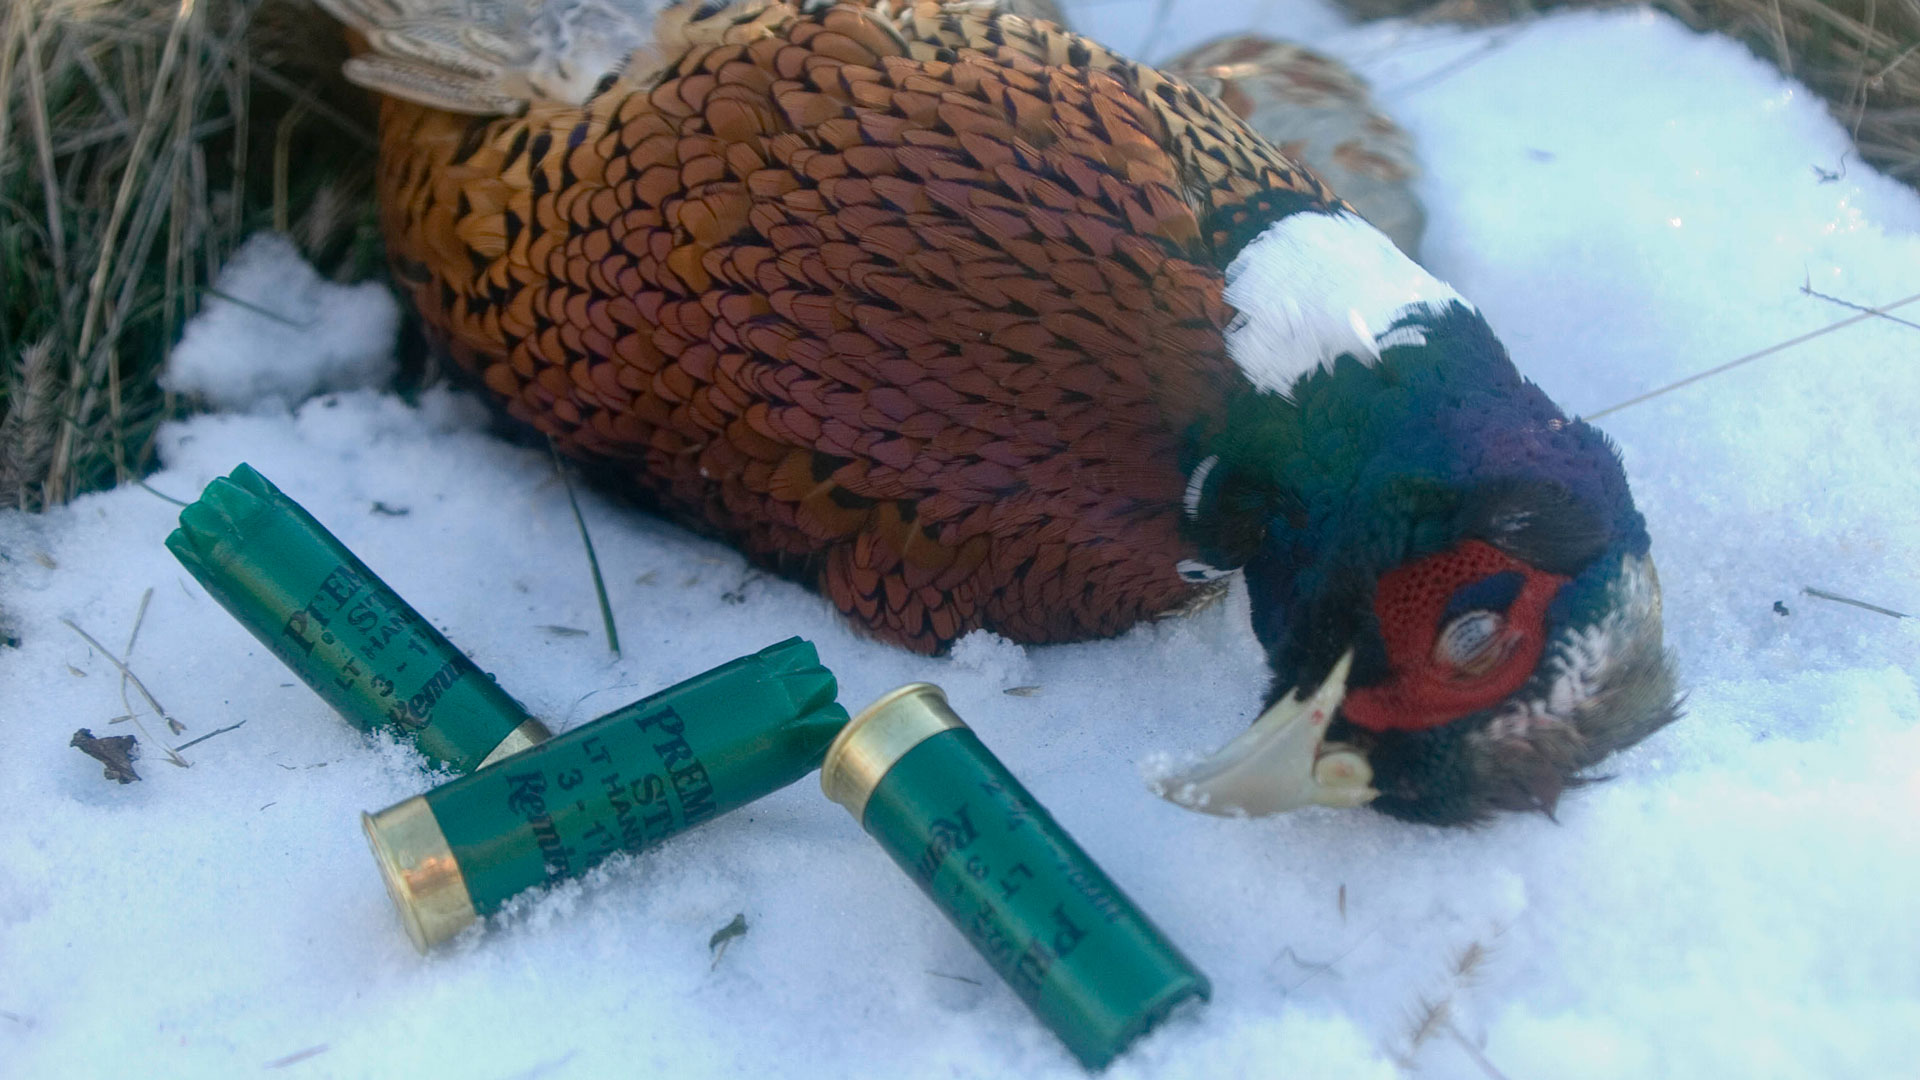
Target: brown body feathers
<point>918,304</point>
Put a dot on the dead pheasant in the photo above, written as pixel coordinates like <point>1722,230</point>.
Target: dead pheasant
<point>971,322</point>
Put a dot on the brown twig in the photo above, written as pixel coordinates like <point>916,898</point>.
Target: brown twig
<point>1807,289</point>
<point>1448,70</point>
<point>1474,1052</point>
<point>593,561</point>
<point>717,944</point>
<point>297,1056</point>
<point>1328,967</point>
<point>209,735</point>
<point>1752,356</point>
<point>1838,599</point>
<point>139,618</point>
<point>137,685</point>
<point>1431,1015</point>
<point>1436,1015</point>
<point>267,313</point>
<point>151,490</point>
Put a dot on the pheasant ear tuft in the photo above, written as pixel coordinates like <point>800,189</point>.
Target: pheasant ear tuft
<point>1536,521</point>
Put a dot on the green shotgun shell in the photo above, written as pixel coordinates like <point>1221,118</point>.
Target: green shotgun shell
<point>623,782</point>
<point>341,629</point>
<point>1055,927</point>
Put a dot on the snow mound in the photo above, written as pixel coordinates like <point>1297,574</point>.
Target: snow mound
<point>274,330</point>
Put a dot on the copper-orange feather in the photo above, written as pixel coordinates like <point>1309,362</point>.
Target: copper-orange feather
<point>916,303</point>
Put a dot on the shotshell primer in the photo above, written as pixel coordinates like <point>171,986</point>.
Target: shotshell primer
<point>1055,927</point>
<point>341,629</point>
<point>623,782</point>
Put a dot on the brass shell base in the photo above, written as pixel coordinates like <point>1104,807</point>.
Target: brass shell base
<point>878,737</point>
<point>422,876</point>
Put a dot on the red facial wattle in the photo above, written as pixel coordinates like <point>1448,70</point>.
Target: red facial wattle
<point>1410,602</point>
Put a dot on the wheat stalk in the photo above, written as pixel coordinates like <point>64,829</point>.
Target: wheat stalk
<point>27,433</point>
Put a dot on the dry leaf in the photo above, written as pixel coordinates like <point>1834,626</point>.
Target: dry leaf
<point>116,752</point>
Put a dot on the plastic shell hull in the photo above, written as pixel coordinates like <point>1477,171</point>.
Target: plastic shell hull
<point>317,607</point>
<point>1048,919</point>
<point>623,782</point>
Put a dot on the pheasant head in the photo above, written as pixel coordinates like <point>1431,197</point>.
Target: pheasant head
<point>1448,575</point>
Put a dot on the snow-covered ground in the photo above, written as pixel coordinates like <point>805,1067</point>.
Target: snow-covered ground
<point>1629,203</point>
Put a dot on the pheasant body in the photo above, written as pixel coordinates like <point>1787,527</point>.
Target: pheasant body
<point>972,323</point>
<point>930,332</point>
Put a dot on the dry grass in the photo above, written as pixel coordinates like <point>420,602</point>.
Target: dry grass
<point>1862,56</point>
<point>140,142</point>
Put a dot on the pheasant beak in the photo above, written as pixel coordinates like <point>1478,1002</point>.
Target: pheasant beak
<point>1283,762</point>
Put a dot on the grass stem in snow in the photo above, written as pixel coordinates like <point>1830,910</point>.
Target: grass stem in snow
<point>172,757</point>
<point>1869,313</point>
<point>1838,599</point>
<point>593,561</point>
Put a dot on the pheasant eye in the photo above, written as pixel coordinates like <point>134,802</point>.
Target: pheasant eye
<point>1461,628</point>
<point>1473,644</point>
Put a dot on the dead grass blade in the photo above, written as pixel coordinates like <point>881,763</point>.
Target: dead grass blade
<point>152,702</point>
<point>127,175</point>
<point>1867,313</point>
<point>593,561</point>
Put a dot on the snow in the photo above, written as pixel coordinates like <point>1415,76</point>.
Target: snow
<point>275,332</point>
<point>1628,202</point>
